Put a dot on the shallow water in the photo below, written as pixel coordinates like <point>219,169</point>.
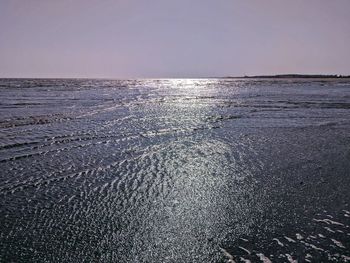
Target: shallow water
<point>207,170</point>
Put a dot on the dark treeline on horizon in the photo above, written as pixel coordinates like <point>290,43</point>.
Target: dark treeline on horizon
<point>284,76</point>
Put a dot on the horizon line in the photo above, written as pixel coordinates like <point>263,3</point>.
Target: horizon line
<point>284,75</point>
<point>287,75</point>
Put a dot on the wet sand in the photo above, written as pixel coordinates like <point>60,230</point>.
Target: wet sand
<point>207,170</point>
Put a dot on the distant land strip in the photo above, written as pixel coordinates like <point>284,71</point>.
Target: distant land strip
<point>290,76</point>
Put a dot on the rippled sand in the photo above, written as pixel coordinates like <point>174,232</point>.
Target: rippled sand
<point>209,170</point>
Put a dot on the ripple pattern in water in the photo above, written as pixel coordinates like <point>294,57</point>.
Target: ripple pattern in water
<point>180,170</point>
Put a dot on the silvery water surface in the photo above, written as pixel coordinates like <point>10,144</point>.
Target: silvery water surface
<point>174,170</point>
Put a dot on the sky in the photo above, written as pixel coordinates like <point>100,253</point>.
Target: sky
<point>173,38</point>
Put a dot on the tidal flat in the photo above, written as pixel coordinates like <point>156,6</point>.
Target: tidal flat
<point>175,170</point>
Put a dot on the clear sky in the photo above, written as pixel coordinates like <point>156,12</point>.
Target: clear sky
<point>173,38</point>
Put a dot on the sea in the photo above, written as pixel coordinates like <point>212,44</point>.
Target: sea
<point>175,170</point>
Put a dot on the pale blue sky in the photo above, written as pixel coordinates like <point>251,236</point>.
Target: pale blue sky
<point>178,38</point>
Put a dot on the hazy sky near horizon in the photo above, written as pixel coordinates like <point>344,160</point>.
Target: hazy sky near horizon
<point>173,38</point>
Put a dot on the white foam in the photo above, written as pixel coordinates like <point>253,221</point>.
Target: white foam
<point>328,221</point>
<point>299,237</point>
<point>346,258</point>
<point>278,242</point>
<point>290,259</point>
<point>307,258</point>
<point>246,250</point>
<point>338,243</point>
<point>245,260</point>
<point>334,222</point>
<point>263,258</point>
<point>312,246</point>
<point>328,229</point>
<point>228,255</point>
<point>290,239</point>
